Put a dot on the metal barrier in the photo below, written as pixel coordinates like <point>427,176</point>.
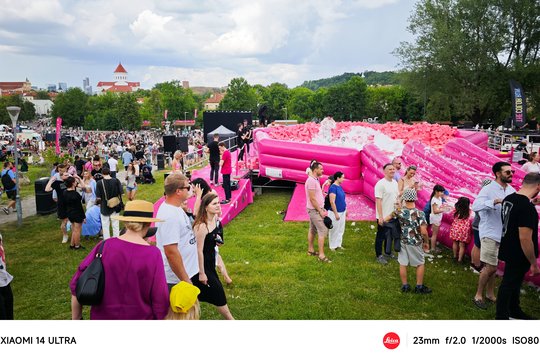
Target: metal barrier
<point>204,159</point>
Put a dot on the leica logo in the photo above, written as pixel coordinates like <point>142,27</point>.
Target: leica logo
<point>391,340</point>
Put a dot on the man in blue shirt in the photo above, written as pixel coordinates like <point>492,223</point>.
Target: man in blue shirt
<point>488,205</point>
<point>127,157</point>
<point>10,186</point>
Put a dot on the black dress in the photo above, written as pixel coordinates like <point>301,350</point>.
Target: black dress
<point>213,293</point>
<point>73,205</point>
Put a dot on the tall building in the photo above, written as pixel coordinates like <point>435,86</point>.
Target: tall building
<point>86,86</point>
<point>120,83</point>
<point>51,88</point>
<point>185,84</point>
<point>62,86</point>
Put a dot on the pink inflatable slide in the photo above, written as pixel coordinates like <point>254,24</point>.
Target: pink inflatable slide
<point>460,164</point>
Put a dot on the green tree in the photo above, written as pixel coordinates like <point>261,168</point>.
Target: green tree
<point>176,100</point>
<point>346,101</point>
<point>71,107</point>
<point>464,53</point>
<point>127,111</point>
<point>28,110</point>
<point>42,95</point>
<point>300,105</point>
<point>151,108</point>
<point>277,98</point>
<point>240,96</point>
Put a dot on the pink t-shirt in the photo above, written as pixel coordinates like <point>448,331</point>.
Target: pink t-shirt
<point>226,168</point>
<point>314,184</point>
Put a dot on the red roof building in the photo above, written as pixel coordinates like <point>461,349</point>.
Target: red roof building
<point>212,103</point>
<point>15,87</point>
<point>120,83</point>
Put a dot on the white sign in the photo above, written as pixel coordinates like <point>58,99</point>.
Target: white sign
<point>275,173</point>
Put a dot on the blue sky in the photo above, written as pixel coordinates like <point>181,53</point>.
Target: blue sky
<point>205,42</point>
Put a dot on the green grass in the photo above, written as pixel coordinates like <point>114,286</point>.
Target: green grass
<point>273,276</point>
<point>34,172</point>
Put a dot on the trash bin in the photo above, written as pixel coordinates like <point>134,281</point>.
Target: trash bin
<point>161,161</point>
<point>44,200</point>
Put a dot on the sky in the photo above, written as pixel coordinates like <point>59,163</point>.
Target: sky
<point>207,42</point>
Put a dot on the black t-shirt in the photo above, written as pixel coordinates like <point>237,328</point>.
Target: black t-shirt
<point>517,211</point>
<point>113,188</point>
<point>214,150</point>
<point>79,164</point>
<point>59,187</point>
<point>73,205</point>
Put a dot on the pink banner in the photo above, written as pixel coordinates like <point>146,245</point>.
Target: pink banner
<point>58,129</point>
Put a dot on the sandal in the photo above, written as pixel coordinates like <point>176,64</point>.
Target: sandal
<point>480,304</point>
<point>490,300</point>
<point>313,253</point>
<point>325,260</point>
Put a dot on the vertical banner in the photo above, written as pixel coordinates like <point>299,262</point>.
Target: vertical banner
<point>519,104</point>
<point>166,114</point>
<point>58,130</point>
<point>195,114</point>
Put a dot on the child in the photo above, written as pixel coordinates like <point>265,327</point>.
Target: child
<point>413,236</point>
<point>6,295</point>
<point>460,231</point>
<point>435,218</point>
<point>184,303</point>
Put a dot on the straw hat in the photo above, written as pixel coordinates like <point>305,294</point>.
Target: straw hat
<point>138,211</point>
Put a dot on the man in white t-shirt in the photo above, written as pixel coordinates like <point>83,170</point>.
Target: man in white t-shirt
<point>113,165</point>
<point>386,196</point>
<point>175,238</point>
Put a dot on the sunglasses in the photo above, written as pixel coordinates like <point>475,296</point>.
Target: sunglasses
<point>508,172</point>
<point>412,167</point>
<point>184,187</point>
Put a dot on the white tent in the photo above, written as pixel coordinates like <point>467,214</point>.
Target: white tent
<point>224,135</point>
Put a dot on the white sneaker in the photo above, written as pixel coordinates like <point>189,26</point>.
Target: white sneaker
<point>65,239</point>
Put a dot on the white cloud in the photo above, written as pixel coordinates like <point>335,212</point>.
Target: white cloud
<point>149,26</point>
<point>43,11</point>
<point>206,42</point>
<point>373,4</point>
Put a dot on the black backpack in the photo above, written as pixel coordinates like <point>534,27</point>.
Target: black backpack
<point>327,205</point>
<point>7,181</point>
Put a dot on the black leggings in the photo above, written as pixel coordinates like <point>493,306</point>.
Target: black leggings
<point>6,303</point>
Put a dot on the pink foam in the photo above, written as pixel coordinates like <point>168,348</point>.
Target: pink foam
<point>359,207</point>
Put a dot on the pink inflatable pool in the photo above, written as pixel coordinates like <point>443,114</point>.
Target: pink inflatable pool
<point>458,160</point>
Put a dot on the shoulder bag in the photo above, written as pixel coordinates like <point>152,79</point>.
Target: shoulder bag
<point>91,283</point>
<point>111,203</point>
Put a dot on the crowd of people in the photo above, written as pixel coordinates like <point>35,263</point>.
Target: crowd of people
<point>505,228</point>
<point>167,281</point>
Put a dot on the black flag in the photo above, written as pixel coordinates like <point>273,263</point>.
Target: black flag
<point>519,105</point>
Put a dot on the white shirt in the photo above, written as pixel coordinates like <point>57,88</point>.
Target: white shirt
<point>490,225</point>
<point>529,167</point>
<point>388,192</point>
<point>435,218</point>
<point>113,163</point>
<point>176,229</point>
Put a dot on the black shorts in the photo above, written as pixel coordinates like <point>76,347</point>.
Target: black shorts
<point>12,194</point>
<point>76,219</point>
<point>61,212</point>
